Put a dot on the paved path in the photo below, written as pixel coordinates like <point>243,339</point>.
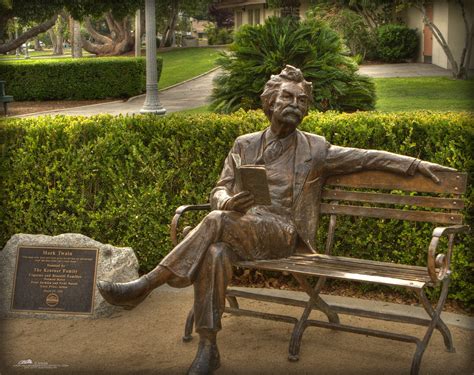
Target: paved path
<point>147,340</point>
<point>196,93</point>
<point>403,70</point>
<point>191,94</point>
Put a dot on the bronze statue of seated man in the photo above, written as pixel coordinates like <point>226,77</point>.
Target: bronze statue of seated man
<point>296,164</point>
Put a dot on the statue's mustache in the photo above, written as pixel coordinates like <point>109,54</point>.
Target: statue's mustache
<point>294,111</point>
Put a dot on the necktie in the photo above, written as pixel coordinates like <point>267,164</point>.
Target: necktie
<point>272,152</point>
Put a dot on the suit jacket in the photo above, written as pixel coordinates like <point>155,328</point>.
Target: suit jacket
<point>315,160</point>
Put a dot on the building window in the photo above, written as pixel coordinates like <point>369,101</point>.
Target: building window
<point>238,19</point>
<point>256,16</point>
<point>250,16</point>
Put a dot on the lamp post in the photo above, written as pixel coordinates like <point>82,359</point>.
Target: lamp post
<point>152,103</point>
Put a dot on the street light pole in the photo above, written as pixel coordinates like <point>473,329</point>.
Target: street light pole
<point>152,103</point>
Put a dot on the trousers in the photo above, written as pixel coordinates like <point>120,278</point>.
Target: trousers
<point>205,256</point>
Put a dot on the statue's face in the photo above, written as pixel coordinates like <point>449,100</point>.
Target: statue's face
<point>289,108</point>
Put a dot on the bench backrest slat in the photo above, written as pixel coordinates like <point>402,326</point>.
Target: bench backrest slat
<point>366,197</point>
<point>390,213</point>
<point>451,182</point>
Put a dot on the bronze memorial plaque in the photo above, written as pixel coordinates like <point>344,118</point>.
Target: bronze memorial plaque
<point>54,279</point>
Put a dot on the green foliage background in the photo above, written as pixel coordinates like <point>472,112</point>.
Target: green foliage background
<point>119,179</point>
<point>396,43</point>
<point>91,78</point>
<point>311,45</point>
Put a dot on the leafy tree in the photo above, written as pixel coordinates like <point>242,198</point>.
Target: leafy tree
<point>262,50</point>
<point>116,38</point>
<point>288,8</point>
<point>352,27</point>
<point>44,14</point>
<point>374,12</point>
<point>169,11</point>
<point>222,17</point>
<point>38,15</point>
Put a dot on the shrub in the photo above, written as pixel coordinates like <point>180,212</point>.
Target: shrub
<point>262,50</point>
<point>218,35</point>
<point>360,40</point>
<point>119,179</point>
<point>396,43</point>
<point>87,78</point>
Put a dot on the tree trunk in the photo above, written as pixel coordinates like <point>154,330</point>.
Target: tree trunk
<point>31,33</point>
<point>168,35</point>
<point>56,34</point>
<point>459,71</point>
<point>59,47</point>
<point>76,40</point>
<point>38,45</point>
<point>119,41</point>
<point>465,61</point>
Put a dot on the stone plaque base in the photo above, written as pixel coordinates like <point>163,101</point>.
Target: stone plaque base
<point>52,271</point>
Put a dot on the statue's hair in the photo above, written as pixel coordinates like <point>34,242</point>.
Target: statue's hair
<point>272,87</point>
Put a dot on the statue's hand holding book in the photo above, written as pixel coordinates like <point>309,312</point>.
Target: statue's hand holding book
<point>252,178</point>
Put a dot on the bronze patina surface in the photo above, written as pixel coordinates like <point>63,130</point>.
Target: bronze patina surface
<point>297,165</point>
<point>54,280</point>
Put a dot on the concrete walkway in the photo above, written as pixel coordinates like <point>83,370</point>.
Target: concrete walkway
<point>196,92</point>
<point>147,340</point>
<point>190,94</point>
<point>404,70</point>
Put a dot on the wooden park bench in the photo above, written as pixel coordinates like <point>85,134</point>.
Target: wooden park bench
<point>368,194</point>
<point>5,99</point>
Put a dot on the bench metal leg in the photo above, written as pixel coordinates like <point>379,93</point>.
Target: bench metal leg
<point>441,326</point>
<point>315,301</point>
<point>436,322</point>
<point>232,302</point>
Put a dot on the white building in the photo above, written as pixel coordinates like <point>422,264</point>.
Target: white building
<point>445,15</point>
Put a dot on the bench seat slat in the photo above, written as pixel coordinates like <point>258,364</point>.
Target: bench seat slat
<point>322,258</point>
<point>366,266</point>
<point>390,213</point>
<point>368,271</point>
<point>359,196</point>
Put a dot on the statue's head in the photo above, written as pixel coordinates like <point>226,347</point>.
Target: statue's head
<point>287,86</point>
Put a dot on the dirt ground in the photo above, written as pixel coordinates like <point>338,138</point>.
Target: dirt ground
<point>147,340</point>
<point>26,107</point>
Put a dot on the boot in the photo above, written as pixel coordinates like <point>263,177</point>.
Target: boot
<point>207,357</point>
<point>128,295</point>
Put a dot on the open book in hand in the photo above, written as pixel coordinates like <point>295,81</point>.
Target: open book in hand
<point>252,178</point>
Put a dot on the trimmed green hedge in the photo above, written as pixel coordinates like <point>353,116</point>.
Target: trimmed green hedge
<point>87,78</point>
<point>119,180</point>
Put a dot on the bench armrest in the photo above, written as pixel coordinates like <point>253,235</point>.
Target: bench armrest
<point>179,212</point>
<point>442,261</point>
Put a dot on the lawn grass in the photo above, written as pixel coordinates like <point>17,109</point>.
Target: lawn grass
<point>182,64</point>
<point>192,111</point>
<point>424,93</point>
